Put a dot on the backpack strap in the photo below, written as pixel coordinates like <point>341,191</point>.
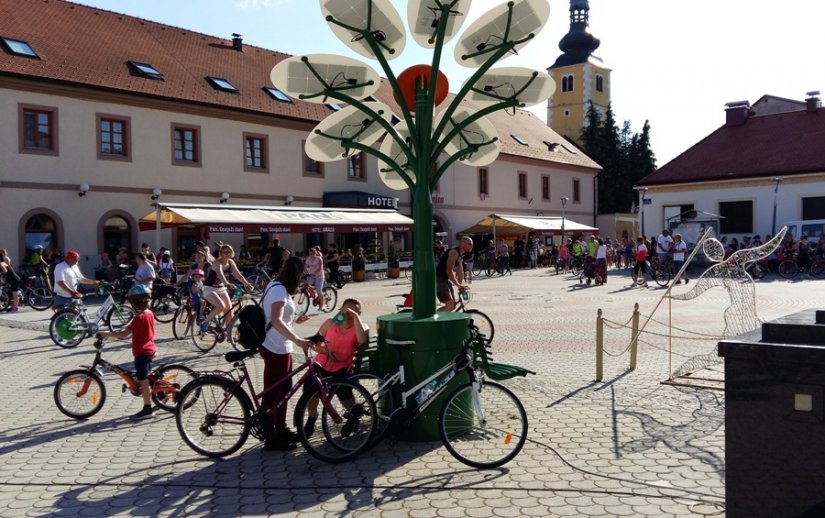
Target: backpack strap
<point>271,284</point>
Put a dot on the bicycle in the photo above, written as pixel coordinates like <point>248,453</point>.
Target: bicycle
<point>219,410</point>
<point>165,301</point>
<point>71,325</point>
<point>483,322</point>
<point>481,423</point>
<point>486,264</point>
<point>660,271</point>
<point>205,341</point>
<point>37,297</point>
<point>81,393</point>
<point>305,298</point>
<point>790,267</point>
<point>259,279</point>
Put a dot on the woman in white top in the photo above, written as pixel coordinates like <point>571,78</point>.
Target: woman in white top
<point>601,263</point>
<point>315,270</point>
<point>679,250</point>
<point>277,348</point>
<point>215,288</point>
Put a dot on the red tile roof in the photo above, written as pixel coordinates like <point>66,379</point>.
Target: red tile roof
<point>765,146</point>
<point>89,47</point>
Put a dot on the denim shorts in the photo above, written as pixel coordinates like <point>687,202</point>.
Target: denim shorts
<point>143,366</point>
<point>63,302</point>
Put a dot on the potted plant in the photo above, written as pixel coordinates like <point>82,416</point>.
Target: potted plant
<point>359,265</point>
<point>393,266</point>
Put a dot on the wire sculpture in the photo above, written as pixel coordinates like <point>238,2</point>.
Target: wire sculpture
<point>731,274</point>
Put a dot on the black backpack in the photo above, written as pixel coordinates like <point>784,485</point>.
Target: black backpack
<point>252,325</point>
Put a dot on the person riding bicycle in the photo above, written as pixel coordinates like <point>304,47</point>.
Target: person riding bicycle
<point>40,266</point>
<point>67,278</point>
<point>336,354</point>
<point>142,330</point>
<point>449,272</point>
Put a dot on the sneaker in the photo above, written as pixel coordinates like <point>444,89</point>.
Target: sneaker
<point>278,444</point>
<point>309,426</point>
<point>645,284</point>
<point>352,420</point>
<point>146,413</point>
<point>687,281</point>
<point>204,327</point>
<point>288,435</point>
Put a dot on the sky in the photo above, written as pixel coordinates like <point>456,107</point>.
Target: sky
<point>674,63</point>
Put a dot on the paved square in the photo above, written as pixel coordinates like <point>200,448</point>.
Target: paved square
<point>627,446</point>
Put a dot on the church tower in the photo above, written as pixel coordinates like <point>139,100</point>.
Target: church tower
<point>581,77</point>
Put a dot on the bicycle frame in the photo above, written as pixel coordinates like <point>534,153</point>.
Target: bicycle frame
<point>127,376</point>
<point>257,397</point>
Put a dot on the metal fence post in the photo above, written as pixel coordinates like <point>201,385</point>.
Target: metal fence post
<point>634,343</point>
<point>599,346</point>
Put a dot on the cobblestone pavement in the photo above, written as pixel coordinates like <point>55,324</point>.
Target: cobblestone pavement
<point>626,446</point>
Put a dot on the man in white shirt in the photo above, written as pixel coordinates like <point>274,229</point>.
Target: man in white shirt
<point>663,245</point>
<point>67,278</point>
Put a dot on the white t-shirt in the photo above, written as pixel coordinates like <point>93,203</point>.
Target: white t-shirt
<point>601,252</point>
<point>70,275</point>
<point>275,342</point>
<point>663,244</point>
<point>679,251</point>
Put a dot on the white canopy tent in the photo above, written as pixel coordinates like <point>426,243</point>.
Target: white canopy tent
<point>517,225</point>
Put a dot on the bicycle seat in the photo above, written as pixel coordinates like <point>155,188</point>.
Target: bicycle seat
<point>236,356</point>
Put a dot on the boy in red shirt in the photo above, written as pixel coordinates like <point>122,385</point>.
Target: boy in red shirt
<point>142,329</point>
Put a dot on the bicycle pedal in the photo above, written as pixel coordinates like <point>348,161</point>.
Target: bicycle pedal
<point>124,388</point>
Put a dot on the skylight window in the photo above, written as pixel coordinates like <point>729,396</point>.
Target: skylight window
<point>570,149</point>
<point>145,70</point>
<point>334,107</point>
<point>220,83</point>
<point>19,48</point>
<point>518,139</point>
<point>277,94</point>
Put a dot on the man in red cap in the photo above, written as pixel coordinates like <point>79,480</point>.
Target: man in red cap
<point>67,277</point>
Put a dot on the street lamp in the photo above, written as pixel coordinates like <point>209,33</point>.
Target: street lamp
<point>642,191</point>
<point>563,203</point>
<point>776,181</point>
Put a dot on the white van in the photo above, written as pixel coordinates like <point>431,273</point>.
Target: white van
<point>813,228</point>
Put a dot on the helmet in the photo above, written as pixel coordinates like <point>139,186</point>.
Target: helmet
<point>196,271</point>
<point>139,291</point>
<point>38,247</point>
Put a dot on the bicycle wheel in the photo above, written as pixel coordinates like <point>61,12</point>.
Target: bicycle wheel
<point>484,324</point>
<point>757,271</point>
<point>183,322</point>
<point>483,429</point>
<point>233,333</point>
<point>490,268</point>
<point>120,316</point>
<point>79,394</point>
<point>68,328</point>
<point>576,268</point>
<point>662,275</point>
<point>258,283</point>
<point>383,399</point>
<point>167,381</point>
<point>818,268</point>
<point>330,299</point>
<point>302,303</point>
<point>164,306</point>
<point>213,416</point>
<point>40,298</point>
<point>788,269</point>
<point>205,341</point>
<point>338,440</point>
<point>5,298</point>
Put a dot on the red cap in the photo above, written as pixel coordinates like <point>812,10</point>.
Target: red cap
<point>73,254</point>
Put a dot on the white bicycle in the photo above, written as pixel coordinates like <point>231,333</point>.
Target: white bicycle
<point>70,325</point>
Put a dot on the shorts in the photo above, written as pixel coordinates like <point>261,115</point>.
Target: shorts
<point>63,302</point>
<point>207,290</point>
<point>317,281</point>
<point>143,366</point>
<point>344,393</point>
<point>444,290</point>
<point>641,266</point>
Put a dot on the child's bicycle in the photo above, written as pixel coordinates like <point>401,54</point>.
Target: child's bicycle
<point>71,325</point>
<point>481,423</point>
<point>219,410</point>
<point>81,393</point>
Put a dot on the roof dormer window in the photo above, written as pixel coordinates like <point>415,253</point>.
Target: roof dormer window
<point>277,94</point>
<point>145,70</point>
<point>551,146</point>
<point>19,48</point>
<point>519,139</point>
<point>222,84</point>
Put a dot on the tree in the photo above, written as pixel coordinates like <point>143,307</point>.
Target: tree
<point>624,156</point>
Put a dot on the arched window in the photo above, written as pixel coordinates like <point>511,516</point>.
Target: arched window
<point>116,234</point>
<point>41,229</point>
<point>567,83</point>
